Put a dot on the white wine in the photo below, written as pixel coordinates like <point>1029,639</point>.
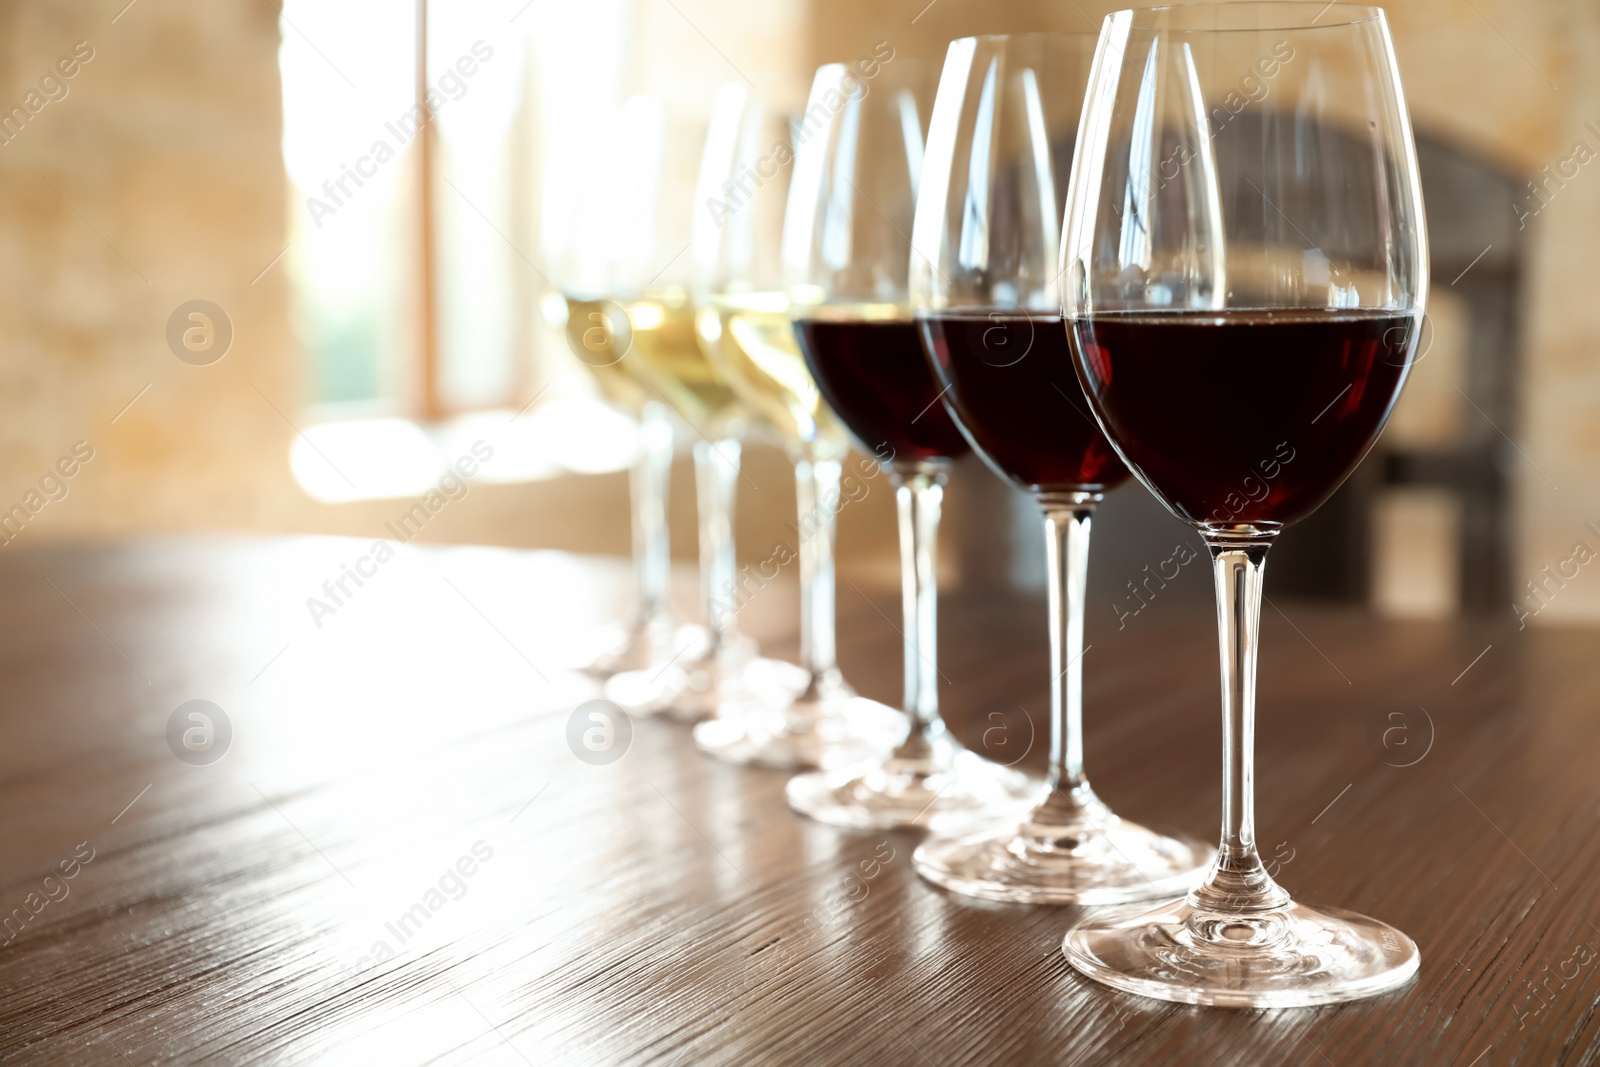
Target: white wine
<point>667,357</point>
<point>751,341</point>
<point>646,353</point>
<point>592,330</point>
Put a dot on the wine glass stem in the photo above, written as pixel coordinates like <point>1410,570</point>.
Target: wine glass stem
<point>1067,517</point>
<point>716,473</point>
<point>816,478</point>
<point>648,485</point>
<point>919,493</point>
<point>1238,880</point>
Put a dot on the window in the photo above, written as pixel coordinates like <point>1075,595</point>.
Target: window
<point>416,137</point>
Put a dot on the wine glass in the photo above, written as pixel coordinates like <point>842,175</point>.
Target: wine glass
<point>593,215</point>
<point>1244,272</point>
<point>644,273</point>
<point>846,249</point>
<point>984,286</point>
<point>743,322</point>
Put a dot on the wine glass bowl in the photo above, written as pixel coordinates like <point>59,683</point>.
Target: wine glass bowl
<point>669,357</point>
<point>1244,265</point>
<point>1311,418</point>
<point>1007,379</point>
<point>869,365</point>
<point>752,343</point>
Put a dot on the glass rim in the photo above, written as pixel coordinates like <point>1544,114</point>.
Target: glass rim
<point>915,59</point>
<point>1357,15</point>
<point>1031,35</point>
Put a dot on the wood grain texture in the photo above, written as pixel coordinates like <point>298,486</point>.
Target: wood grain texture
<point>667,909</point>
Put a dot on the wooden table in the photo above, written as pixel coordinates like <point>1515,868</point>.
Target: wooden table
<point>399,859</point>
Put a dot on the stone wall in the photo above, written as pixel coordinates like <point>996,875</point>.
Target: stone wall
<point>155,180</point>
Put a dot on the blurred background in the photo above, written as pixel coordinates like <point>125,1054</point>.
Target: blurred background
<point>383,284</point>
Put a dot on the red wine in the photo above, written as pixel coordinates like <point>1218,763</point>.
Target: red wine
<point>1244,416</point>
<point>1014,394</point>
<point>873,374</point>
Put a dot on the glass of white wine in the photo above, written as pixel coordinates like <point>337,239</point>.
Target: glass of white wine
<point>744,328</point>
<point>587,256</point>
<point>648,282</point>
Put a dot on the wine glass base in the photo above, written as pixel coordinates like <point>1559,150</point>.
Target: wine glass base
<point>1287,957</point>
<point>947,792</point>
<point>692,689</point>
<point>1109,862</point>
<point>639,645</point>
<point>828,732</point>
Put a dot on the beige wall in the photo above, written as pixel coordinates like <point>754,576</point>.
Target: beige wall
<point>1561,407</point>
<point>155,181</point>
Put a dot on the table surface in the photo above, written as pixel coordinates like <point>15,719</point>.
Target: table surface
<point>400,860</point>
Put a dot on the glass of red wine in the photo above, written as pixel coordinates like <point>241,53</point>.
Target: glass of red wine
<point>984,285</point>
<point>1244,271</point>
<point>846,252</point>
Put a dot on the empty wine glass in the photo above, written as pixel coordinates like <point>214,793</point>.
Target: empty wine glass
<point>743,321</point>
<point>1244,270</point>
<point>984,285</point>
<point>846,249</point>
